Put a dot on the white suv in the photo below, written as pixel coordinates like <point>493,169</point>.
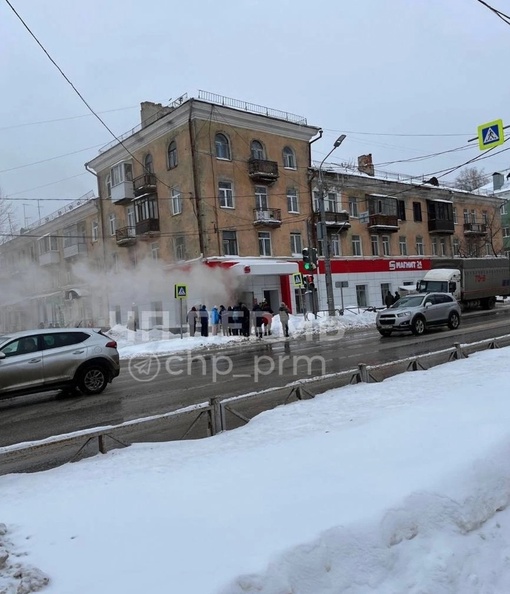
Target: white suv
<point>57,359</point>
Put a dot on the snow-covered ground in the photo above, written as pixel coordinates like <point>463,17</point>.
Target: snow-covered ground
<point>140,343</point>
<point>396,487</point>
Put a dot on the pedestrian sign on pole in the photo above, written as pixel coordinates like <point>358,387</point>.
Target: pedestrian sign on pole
<point>298,279</point>
<point>491,135</point>
<point>181,291</point>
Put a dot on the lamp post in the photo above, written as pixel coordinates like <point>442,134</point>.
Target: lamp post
<point>324,234</point>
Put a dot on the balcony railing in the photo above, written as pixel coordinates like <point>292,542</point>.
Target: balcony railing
<point>441,226</point>
<point>383,222</point>
<point>475,228</point>
<point>262,170</point>
<point>125,236</point>
<point>51,257</point>
<point>147,228</point>
<point>269,217</point>
<point>76,249</point>
<point>335,219</point>
<point>144,184</point>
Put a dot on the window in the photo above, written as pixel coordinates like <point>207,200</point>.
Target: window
<point>374,240</point>
<point>385,289</point>
<point>229,239</point>
<point>257,150</point>
<point>419,246</point>
<point>336,246</point>
<point>455,216</point>
<point>356,245</point>
<point>488,249</point>
<point>172,155</point>
<point>361,295</point>
<point>401,210</point>
<point>485,217</point>
<point>296,244</point>
<point>434,246</point>
<point>121,173</point>
<point>330,202</point>
<point>442,246</point>
<point>504,208</point>
<point>222,147</point>
<point>180,248</point>
<point>176,198</point>
<point>466,216</point>
<point>265,243</point>
<point>353,206</point>
<point>95,230</point>
<point>49,243</point>
<point>402,244</point>
<point>109,186</point>
<point>155,250</point>
<point>473,217</point>
<point>385,205</point>
<point>292,200</point>
<point>289,158</point>
<point>146,208</point>
<point>385,245</point>
<point>131,219</point>
<point>456,246</point>
<point>148,164</point>
<point>417,212</point>
<point>506,231</point>
<point>226,194</point>
<point>112,222</point>
<point>261,197</point>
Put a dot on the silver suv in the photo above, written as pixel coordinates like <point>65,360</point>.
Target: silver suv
<point>416,313</point>
<point>66,359</point>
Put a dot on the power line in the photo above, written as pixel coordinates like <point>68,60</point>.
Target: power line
<point>504,17</point>
<point>393,134</point>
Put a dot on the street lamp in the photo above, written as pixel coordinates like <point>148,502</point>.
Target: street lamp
<point>324,234</point>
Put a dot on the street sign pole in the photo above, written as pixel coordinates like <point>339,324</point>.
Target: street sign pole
<point>182,322</point>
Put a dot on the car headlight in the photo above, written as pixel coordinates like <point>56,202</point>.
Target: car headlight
<point>404,314</point>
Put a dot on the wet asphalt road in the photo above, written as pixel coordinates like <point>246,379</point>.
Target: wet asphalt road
<point>182,379</point>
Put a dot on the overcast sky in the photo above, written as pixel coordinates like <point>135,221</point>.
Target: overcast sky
<point>377,70</point>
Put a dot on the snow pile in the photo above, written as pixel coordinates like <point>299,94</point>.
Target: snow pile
<point>16,577</point>
<point>395,487</point>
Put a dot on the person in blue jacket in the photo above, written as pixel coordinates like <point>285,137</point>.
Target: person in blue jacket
<point>215,320</point>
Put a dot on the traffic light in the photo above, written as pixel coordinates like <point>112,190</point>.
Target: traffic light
<point>309,282</point>
<point>307,262</point>
<point>314,258</point>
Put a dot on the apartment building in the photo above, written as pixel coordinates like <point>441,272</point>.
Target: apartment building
<point>207,180</point>
<point>500,187</point>
<point>51,272</point>
<point>383,232</point>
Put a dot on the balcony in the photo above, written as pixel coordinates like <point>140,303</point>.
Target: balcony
<point>125,236</point>
<point>383,223</point>
<point>270,217</point>
<point>48,258</point>
<point>144,184</point>
<point>147,229</point>
<point>475,229</point>
<point>441,226</point>
<point>74,250</point>
<point>122,192</point>
<point>263,171</point>
<point>335,220</point>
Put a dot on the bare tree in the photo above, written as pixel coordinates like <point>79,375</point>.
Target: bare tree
<point>471,179</point>
<point>486,238</point>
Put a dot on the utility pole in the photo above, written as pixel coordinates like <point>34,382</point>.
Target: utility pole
<point>323,234</point>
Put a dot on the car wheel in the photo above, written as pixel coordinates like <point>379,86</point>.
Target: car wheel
<point>92,379</point>
<point>418,326</point>
<point>453,320</point>
<point>383,332</point>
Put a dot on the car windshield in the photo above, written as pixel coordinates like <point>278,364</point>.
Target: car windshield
<point>410,301</point>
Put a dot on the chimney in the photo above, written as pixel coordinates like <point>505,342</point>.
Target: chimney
<point>498,179</point>
<point>150,112</point>
<point>365,164</point>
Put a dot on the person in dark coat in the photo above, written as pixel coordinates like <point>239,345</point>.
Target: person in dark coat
<point>192,320</point>
<point>245,319</point>
<point>204,321</point>
<point>397,296</point>
<point>258,316</point>
<point>389,300</point>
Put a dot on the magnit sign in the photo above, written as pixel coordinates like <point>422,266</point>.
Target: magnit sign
<point>406,265</point>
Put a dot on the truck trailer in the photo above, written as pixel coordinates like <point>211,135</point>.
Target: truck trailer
<point>474,282</point>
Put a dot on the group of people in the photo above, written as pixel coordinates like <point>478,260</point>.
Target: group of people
<point>390,299</point>
<point>236,320</point>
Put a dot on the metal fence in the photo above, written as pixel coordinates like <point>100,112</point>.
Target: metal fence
<point>216,415</point>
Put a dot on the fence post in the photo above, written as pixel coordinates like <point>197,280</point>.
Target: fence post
<point>217,415</point>
<point>100,441</point>
<point>364,376</point>
<point>459,353</point>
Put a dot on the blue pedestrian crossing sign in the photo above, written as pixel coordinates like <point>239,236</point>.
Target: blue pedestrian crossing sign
<point>181,291</point>
<point>490,135</point>
<point>298,279</point>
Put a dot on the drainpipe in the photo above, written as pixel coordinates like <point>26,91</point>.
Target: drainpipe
<point>198,202</point>
<point>101,226</point>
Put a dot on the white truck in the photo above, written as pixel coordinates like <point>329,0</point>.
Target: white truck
<point>474,282</point>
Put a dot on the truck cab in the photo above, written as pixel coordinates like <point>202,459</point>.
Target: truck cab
<point>443,280</point>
